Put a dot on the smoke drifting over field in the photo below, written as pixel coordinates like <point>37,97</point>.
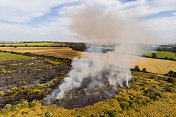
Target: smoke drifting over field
<point>97,76</point>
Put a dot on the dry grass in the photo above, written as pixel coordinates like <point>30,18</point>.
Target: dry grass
<point>64,52</point>
<point>163,107</point>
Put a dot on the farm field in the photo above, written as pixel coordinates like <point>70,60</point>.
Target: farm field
<point>152,65</point>
<point>11,57</point>
<point>32,44</point>
<point>161,54</point>
<point>160,66</point>
<point>62,52</point>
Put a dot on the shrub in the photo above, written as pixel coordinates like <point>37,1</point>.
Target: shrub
<point>154,94</point>
<point>24,87</point>
<point>171,80</point>
<point>2,93</point>
<point>144,70</point>
<point>134,79</point>
<point>169,89</point>
<point>33,103</point>
<point>136,68</point>
<point>14,88</point>
<point>171,74</point>
<point>110,113</point>
<point>133,105</point>
<point>124,105</point>
<point>16,107</point>
<point>152,77</point>
<point>48,114</point>
<point>8,107</point>
<point>3,71</point>
<point>49,90</point>
<point>121,99</point>
<point>24,104</point>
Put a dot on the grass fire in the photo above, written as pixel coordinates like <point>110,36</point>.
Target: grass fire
<point>93,58</point>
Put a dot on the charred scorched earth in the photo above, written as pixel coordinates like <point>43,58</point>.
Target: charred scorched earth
<point>17,75</point>
<point>92,90</point>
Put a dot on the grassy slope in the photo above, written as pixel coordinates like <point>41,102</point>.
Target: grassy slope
<point>130,102</point>
<point>9,57</point>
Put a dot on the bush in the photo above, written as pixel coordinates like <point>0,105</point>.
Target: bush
<point>3,71</point>
<point>24,104</point>
<point>121,99</point>
<point>144,70</point>
<point>124,105</point>
<point>171,73</point>
<point>169,89</point>
<point>171,80</point>
<point>136,68</point>
<point>2,93</point>
<point>33,103</point>
<point>133,105</point>
<point>110,113</point>
<point>14,88</point>
<point>24,87</point>
<point>48,114</point>
<point>8,107</point>
<point>134,79</point>
<point>16,107</point>
<point>152,77</point>
<point>154,94</point>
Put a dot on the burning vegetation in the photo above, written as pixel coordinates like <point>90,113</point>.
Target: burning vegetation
<point>102,85</point>
<point>96,78</point>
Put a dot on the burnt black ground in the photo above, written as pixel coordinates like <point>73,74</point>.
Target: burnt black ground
<point>84,95</point>
<point>27,73</point>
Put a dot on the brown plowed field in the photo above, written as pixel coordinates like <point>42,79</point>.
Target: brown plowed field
<point>152,65</point>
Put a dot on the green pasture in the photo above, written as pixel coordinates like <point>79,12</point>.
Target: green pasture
<point>161,54</point>
<point>10,57</point>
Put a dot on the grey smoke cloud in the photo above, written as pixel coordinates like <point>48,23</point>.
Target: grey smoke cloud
<point>95,25</point>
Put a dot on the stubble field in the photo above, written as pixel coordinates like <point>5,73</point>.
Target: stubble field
<point>61,52</point>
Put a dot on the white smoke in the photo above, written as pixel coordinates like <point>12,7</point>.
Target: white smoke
<point>95,25</point>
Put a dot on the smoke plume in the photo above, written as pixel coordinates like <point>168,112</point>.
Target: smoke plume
<point>97,72</point>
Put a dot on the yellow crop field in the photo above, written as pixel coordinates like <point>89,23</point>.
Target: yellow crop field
<point>152,65</point>
<point>63,52</point>
<point>155,65</point>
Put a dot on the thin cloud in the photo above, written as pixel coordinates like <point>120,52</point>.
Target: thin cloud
<point>36,20</point>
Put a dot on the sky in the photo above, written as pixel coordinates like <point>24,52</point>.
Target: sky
<point>49,20</point>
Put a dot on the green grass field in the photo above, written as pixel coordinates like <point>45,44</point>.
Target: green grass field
<point>32,44</point>
<point>10,57</point>
<point>161,54</point>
